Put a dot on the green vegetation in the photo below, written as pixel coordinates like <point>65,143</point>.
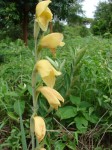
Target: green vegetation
<point>84,120</point>
<point>102,23</point>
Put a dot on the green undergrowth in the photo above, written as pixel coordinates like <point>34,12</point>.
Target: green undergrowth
<point>84,121</point>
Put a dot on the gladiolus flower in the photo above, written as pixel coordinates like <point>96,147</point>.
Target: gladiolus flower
<point>43,14</point>
<point>52,96</point>
<point>39,128</point>
<point>52,41</point>
<point>47,72</point>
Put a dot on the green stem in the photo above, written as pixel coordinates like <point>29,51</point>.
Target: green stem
<point>36,33</point>
<point>32,132</point>
<point>34,108</point>
<point>35,97</point>
<point>33,141</point>
<point>38,48</point>
<point>34,92</point>
<point>35,49</point>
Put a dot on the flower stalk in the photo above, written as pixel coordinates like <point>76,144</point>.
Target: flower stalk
<point>45,70</point>
<point>36,33</point>
<point>34,108</point>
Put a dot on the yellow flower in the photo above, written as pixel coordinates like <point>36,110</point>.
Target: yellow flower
<point>52,96</point>
<point>47,72</point>
<point>43,14</point>
<point>39,128</point>
<point>52,41</point>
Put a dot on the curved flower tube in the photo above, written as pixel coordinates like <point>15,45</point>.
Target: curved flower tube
<point>47,72</point>
<point>39,128</point>
<point>52,96</point>
<point>43,14</point>
<point>52,41</point>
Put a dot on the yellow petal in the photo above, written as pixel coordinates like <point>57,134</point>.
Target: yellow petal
<point>47,92</point>
<point>40,128</point>
<point>44,19</point>
<point>43,67</point>
<point>52,96</point>
<point>57,95</point>
<point>52,40</point>
<point>62,44</point>
<point>50,79</point>
<point>43,14</point>
<point>57,73</point>
<point>41,6</point>
<point>47,72</point>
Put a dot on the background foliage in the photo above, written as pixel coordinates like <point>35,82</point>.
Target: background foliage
<point>85,117</point>
<point>102,24</point>
<point>16,17</point>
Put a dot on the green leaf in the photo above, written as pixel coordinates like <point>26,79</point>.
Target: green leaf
<point>67,112</point>
<point>59,145</point>
<point>92,118</point>
<point>67,79</point>
<point>79,55</point>
<point>13,116</point>
<point>81,123</point>
<point>86,115</point>
<point>81,120</point>
<point>84,104</point>
<point>100,101</point>
<point>30,89</point>
<point>98,148</point>
<point>12,94</point>
<point>22,107</point>
<point>91,109</point>
<point>75,100</point>
<point>76,136</point>
<point>71,145</point>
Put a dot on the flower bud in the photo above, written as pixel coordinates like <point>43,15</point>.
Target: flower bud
<point>39,128</point>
